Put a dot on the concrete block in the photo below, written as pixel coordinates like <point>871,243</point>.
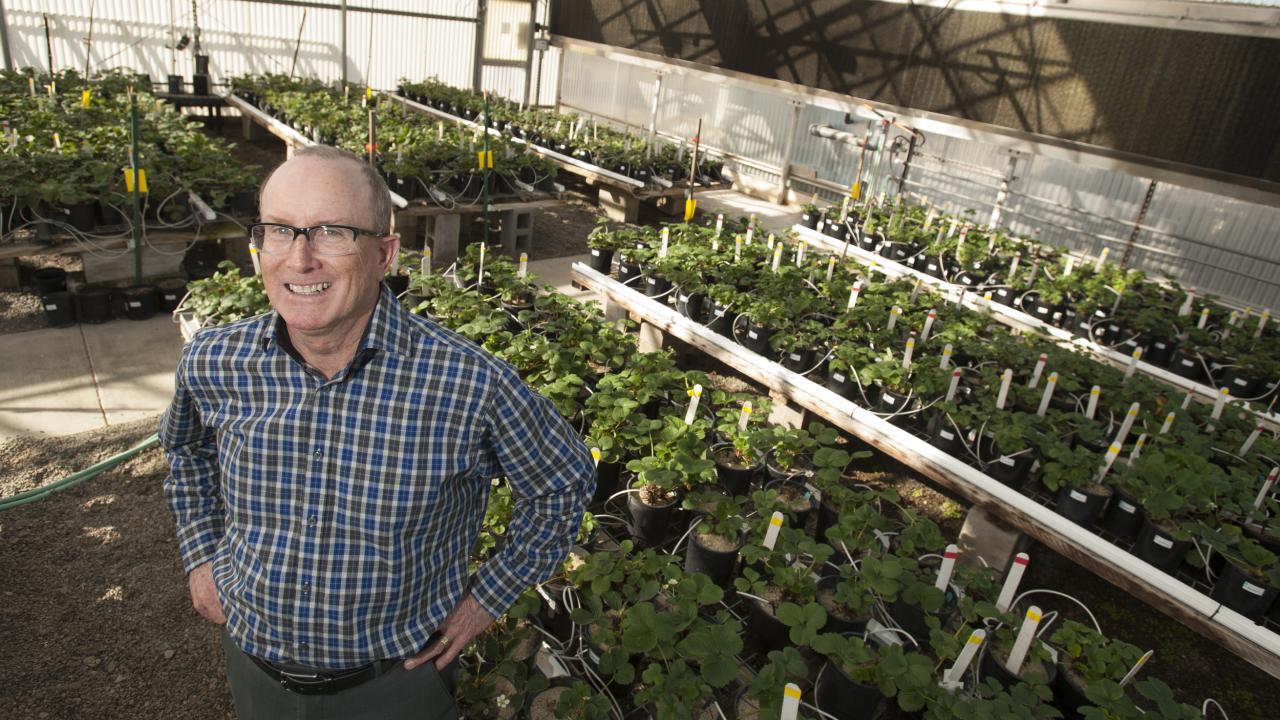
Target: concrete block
<point>784,414</point>
<point>442,237</point>
<point>9,277</point>
<point>651,338</point>
<point>619,205</point>
<point>984,537</point>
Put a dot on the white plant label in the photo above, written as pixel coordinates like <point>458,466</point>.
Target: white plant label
<point>1092,409</point>
<point>1129,419</point>
<point>915,291</point>
<point>1102,258</point>
<point>894,312</point>
<point>948,566</point>
<point>790,702</point>
<point>1022,644</point>
<point>1248,443</point>
<point>1266,488</point>
<point>1071,265</point>
<point>955,674</point>
<point>1220,403</point>
<point>595,455</point>
<point>1186,304</point>
<point>1186,399</point>
<point>666,241</point>
<point>1125,507</point>
<point>523,270</point>
<point>831,268</point>
<point>1011,581</point>
<point>955,385</point>
<point>775,526</point>
<point>426,261</point>
<point>1005,380</point>
<point>737,248</point>
<point>719,224</point>
<point>1162,541</point>
<point>800,253</point>
<point>1013,266</point>
<point>50,308</point>
<point>751,233</point>
<point>906,354</point>
<point>955,225</point>
<point>1168,423</point>
<point>694,396</point>
<point>928,220</point>
<point>1204,318</point>
<point>1137,447</point>
<point>744,416</point>
<point>946,357</point>
<point>257,264</point>
<point>777,256</point>
<point>1133,363</point>
<point>1048,394</point>
<point>928,324</point>
<point>1079,496</point>
<point>715,244</point>
<point>853,294</point>
<point>1108,460</point>
<point>1038,370</point>
<point>771,240</point>
<point>1262,323</point>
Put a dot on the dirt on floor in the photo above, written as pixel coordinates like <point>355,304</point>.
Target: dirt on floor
<point>97,621</point>
<point>20,307</point>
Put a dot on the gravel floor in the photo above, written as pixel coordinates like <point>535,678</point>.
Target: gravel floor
<point>20,308</point>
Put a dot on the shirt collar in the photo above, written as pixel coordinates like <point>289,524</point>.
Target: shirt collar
<point>387,331</point>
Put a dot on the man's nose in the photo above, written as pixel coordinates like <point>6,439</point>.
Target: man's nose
<point>300,256</point>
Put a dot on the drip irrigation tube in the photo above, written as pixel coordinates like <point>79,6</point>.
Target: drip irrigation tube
<point>78,477</point>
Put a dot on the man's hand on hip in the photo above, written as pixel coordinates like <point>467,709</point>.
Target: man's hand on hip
<point>204,597</point>
<point>465,621</point>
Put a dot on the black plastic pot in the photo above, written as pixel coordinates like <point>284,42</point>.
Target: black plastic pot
<point>628,272</point>
<point>656,287</point>
<point>650,526</point>
<point>970,278</point>
<point>756,339</point>
<point>690,305</point>
<point>607,474</point>
<point>943,436</point>
<point>1186,364</point>
<point>93,305</point>
<point>139,302</point>
<point>842,383</point>
<point>1040,310</point>
<point>1012,470</point>
<point>894,402</point>
<point>721,321</point>
<point>767,629</point>
<point>59,308</point>
<point>799,361</point>
<point>1246,595</point>
<point>169,293</point>
<point>1080,506</point>
<point>719,565</point>
<point>897,251</point>
<point>842,697</point>
<point>1158,548</point>
<point>1160,352</point>
<point>1005,296</point>
<point>811,219</point>
<point>49,280</point>
<point>176,85</point>
<point>1240,382</point>
<point>1122,517</point>
<point>737,480</point>
<point>1068,696</point>
<point>933,267</point>
<point>836,229</point>
<point>601,260</point>
<point>994,668</point>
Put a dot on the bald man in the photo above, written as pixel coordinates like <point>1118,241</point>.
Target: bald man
<point>330,465</point>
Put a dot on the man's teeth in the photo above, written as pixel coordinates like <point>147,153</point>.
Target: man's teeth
<point>308,289</point>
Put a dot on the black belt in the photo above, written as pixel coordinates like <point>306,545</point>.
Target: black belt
<point>323,682</point>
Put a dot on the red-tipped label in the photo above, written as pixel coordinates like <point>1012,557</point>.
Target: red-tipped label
<point>1021,560</point>
<point>950,555</point>
<point>955,373</point>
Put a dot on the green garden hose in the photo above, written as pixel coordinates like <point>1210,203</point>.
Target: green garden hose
<point>78,477</point>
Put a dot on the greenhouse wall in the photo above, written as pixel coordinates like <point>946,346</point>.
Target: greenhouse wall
<point>134,34</point>
<point>1214,243</point>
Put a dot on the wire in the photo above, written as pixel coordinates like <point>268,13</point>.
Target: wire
<point>1043,591</point>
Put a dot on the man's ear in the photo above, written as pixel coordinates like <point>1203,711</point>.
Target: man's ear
<point>390,248</point>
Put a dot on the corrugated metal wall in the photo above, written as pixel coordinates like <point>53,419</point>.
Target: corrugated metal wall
<point>1224,246</point>
<point>252,36</point>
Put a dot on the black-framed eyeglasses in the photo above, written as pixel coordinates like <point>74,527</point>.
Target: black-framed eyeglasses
<point>327,240</point>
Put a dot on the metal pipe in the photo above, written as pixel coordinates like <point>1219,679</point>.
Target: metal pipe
<point>788,151</point>
<point>1137,224</point>
<point>343,24</point>
<point>1002,195</point>
<point>528,46</point>
<point>653,113</point>
<point>906,164</point>
<point>477,68</point>
<point>4,38</point>
<point>830,133</point>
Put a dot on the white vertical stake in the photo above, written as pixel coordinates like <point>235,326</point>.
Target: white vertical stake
<point>894,312</point>
<point>257,264</point>
<point>1102,258</point>
<point>915,291</point>
<point>853,294</point>
<point>953,675</point>
<point>1137,447</point>
<point>775,526</point>
<point>1094,393</point>
<point>1248,443</point>
<point>694,396</point>
<point>1071,265</point>
<point>1129,419</point>
<point>772,239</point>
<point>946,357</point>
<point>1168,423</point>
<point>1026,634</point>
<point>737,248</point>
<point>777,257</point>
<point>1136,667</point>
<point>928,324</point>
<point>790,702</point>
<point>1108,459</point>
<point>831,267</point>
<point>744,416</point>
<point>480,269</point>
<point>1037,371</point>
<point>948,566</point>
<point>1204,318</point>
<point>715,244</point>
<point>1262,323</point>
<point>1266,487</point>
<point>1186,399</point>
<point>955,385</point>
<point>1186,304</point>
<point>719,224</point>
<point>426,261</point>
<point>1220,403</point>
<point>666,241</point>
<point>595,455</point>
<point>751,232</point>
<point>1005,381</point>
<point>1011,581</point>
<point>1133,363</point>
<point>523,270</point>
<point>1013,266</point>
<point>800,252</point>
<point>906,354</point>
<point>1048,394</point>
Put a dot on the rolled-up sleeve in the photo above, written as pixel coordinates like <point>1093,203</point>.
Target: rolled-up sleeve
<point>193,488</point>
<point>551,473</point>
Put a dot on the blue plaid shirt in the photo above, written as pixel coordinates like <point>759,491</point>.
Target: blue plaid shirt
<point>339,514</point>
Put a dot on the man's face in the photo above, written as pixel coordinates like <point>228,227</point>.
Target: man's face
<point>309,191</point>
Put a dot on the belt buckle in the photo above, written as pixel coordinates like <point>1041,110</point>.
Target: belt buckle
<point>305,683</point>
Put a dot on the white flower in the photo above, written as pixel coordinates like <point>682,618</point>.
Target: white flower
<point>502,701</point>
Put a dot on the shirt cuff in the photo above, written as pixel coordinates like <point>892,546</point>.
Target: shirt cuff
<point>496,588</point>
<point>198,542</point>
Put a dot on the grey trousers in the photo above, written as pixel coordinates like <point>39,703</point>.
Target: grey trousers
<point>397,694</point>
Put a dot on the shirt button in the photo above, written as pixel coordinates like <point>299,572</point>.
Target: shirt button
<point>319,453</point>
<point>311,521</point>
<point>306,588</point>
<point>302,644</point>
